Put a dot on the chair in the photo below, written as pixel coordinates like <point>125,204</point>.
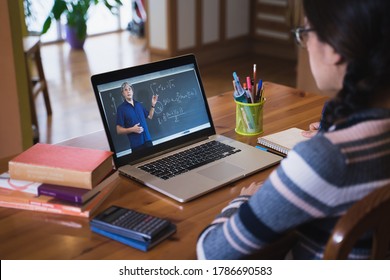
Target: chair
<point>37,84</point>
<point>372,213</point>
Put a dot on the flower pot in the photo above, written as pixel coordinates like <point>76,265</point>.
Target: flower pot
<point>71,37</point>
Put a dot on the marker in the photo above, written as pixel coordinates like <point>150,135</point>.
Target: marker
<point>238,84</point>
<point>235,77</point>
<point>245,119</point>
<point>234,86</point>
<point>249,83</point>
<point>240,96</point>
<point>247,93</point>
<point>254,80</point>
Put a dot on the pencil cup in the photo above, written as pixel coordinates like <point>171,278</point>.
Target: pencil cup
<point>249,118</point>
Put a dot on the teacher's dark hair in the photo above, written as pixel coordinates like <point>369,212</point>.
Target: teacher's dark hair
<point>358,30</point>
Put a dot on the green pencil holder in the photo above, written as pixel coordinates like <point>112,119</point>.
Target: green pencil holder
<point>249,118</point>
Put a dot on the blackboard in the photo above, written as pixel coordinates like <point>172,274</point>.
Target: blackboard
<point>180,105</point>
<point>111,99</point>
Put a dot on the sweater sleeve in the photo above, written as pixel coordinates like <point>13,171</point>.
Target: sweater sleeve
<point>294,194</point>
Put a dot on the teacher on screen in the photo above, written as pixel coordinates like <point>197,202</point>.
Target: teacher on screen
<point>131,119</point>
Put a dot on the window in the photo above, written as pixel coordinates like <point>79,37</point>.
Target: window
<point>100,20</point>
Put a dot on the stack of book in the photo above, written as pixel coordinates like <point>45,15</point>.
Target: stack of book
<point>58,179</point>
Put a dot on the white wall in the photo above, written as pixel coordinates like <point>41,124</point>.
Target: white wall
<point>237,23</point>
<point>237,18</point>
<point>210,21</point>
<point>158,25</point>
<point>186,24</point>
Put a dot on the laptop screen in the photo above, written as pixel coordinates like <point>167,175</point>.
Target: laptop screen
<point>134,129</point>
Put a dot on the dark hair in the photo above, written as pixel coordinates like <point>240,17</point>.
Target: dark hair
<point>358,30</point>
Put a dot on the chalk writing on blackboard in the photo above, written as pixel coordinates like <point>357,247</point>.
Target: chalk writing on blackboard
<point>113,104</point>
<point>159,107</point>
<point>156,88</point>
<point>175,99</point>
<point>180,97</point>
<point>173,114</point>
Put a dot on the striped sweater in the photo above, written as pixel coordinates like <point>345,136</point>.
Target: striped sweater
<point>317,182</point>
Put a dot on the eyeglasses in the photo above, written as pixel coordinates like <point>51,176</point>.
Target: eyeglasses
<point>300,35</point>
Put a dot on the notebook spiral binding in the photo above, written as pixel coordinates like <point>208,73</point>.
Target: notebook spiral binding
<point>273,146</point>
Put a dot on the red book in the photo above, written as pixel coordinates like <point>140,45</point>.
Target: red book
<point>61,165</point>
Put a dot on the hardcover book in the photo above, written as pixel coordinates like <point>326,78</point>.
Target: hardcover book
<point>61,165</point>
<point>17,185</point>
<point>72,194</point>
<point>27,201</point>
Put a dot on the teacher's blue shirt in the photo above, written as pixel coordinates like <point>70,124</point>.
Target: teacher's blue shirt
<point>128,116</point>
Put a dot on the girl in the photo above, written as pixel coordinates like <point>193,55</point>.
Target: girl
<point>349,51</point>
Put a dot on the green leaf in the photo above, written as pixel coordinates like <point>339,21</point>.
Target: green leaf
<point>76,12</point>
<point>114,6</point>
<point>46,25</point>
<point>59,8</point>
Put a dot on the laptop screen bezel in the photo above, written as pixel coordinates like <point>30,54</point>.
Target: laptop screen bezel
<point>117,75</point>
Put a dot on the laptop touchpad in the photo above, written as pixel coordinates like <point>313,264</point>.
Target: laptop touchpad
<point>221,171</point>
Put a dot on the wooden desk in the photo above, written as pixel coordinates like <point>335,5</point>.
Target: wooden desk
<point>35,235</point>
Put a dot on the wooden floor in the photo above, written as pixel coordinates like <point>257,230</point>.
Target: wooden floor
<point>68,72</point>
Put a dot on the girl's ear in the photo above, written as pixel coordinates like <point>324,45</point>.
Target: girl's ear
<point>331,56</point>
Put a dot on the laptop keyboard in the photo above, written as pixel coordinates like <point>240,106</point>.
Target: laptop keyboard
<point>185,161</point>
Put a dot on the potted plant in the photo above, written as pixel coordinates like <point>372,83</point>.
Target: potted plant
<point>76,13</point>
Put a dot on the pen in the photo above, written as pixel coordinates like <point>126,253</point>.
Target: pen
<point>258,93</point>
<point>270,151</point>
<point>262,93</point>
<point>262,148</point>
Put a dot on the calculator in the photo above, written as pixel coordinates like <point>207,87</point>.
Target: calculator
<point>130,223</point>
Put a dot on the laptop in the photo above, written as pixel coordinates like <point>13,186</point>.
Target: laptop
<point>181,123</point>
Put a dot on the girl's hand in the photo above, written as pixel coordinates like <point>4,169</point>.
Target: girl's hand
<point>251,189</point>
<point>313,130</point>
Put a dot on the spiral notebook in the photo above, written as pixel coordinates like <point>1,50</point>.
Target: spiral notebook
<point>282,141</point>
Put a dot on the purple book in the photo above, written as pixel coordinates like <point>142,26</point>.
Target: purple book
<point>72,194</point>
